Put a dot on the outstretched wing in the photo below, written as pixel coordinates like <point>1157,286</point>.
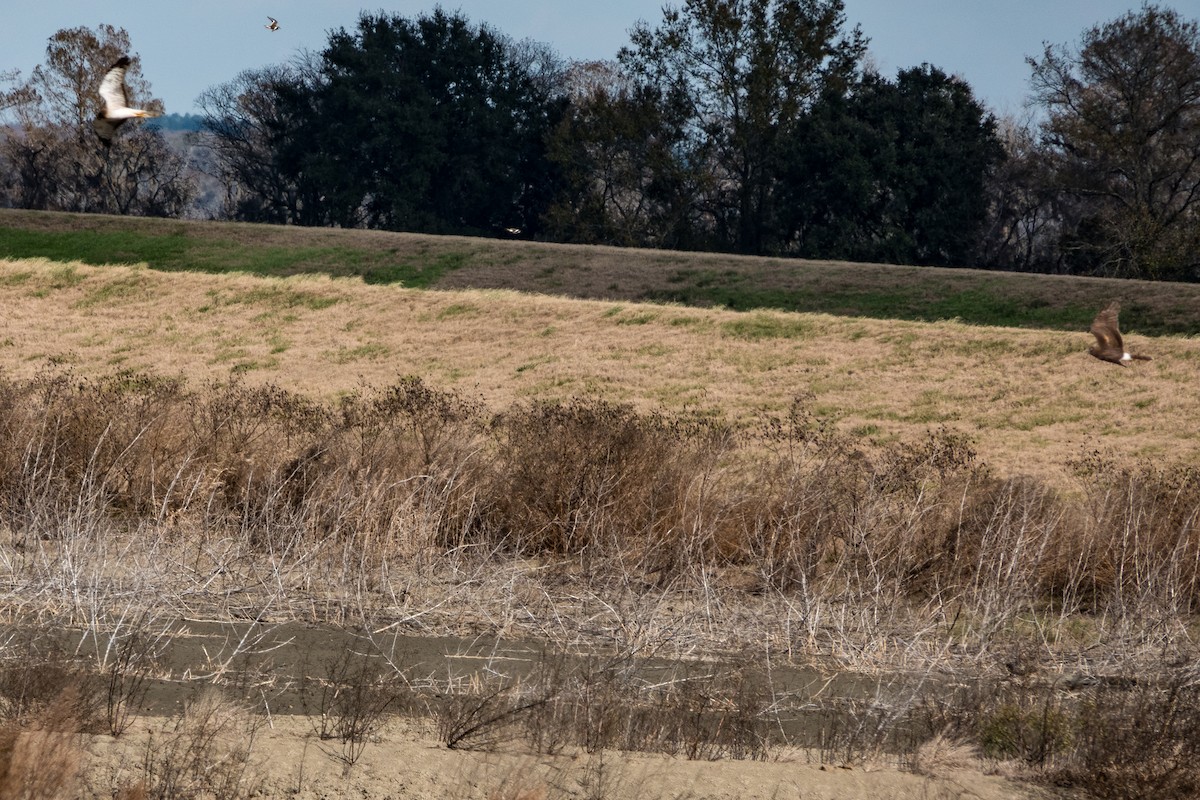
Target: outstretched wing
<point>112,87</point>
<point>1106,330</point>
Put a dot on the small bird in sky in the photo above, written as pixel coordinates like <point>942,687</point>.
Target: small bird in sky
<point>273,25</point>
<point>116,106</point>
<point>1109,346</point>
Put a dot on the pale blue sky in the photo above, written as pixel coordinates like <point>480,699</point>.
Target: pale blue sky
<point>188,45</point>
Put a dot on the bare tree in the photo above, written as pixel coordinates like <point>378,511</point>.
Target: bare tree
<point>243,126</point>
<point>1123,131</point>
<point>16,95</point>
<point>55,159</point>
<point>1025,215</point>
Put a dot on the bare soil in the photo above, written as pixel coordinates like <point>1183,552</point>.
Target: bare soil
<point>407,762</point>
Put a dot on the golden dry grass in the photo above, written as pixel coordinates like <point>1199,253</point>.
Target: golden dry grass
<point>1030,399</point>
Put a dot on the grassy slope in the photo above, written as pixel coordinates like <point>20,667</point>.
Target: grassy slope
<point>1028,394</point>
<point>703,279</point>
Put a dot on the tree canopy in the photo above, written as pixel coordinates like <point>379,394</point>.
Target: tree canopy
<point>1123,135</point>
<point>430,124</point>
<point>743,71</point>
<point>892,171</point>
<point>753,126</point>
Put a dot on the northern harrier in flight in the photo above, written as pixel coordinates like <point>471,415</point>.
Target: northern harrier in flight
<point>1109,346</point>
<point>273,26</point>
<point>116,107</point>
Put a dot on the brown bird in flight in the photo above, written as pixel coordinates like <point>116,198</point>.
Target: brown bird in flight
<point>274,26</point>
<point>1109,345</point>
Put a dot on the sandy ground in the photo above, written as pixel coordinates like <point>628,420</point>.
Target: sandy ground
<point>264,746</point>
<point>288,760</point>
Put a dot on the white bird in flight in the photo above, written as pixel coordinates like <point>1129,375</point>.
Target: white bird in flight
<point>116,107</point>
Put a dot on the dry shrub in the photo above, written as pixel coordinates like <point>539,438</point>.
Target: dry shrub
<point>409,470</point>
<point>942,754</point>
<point>63,434</point>
<point>601,704</point>
<point>1020,726</point>
<point>398,470</point>
<point>486,710</point>
<point>1137,743</point>
<point>42,758</point>
<point>205,752</point>
<point>587,475</point>
<point>821,512</point>
<point>1141,536</point>
<point>798,510</point>
<point>1006,542</point>
<point>720,715</point>
<point>127,654</point>
<point>351,702</point>
<point>590,702</point>
<point>607,704</point>
<point>1033,724</point>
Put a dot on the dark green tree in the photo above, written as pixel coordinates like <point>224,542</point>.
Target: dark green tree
<point>617,151</point>
<point>1123,132</point>
<point>892,171</point>
<point>429,124</point>
<point>746,71</point>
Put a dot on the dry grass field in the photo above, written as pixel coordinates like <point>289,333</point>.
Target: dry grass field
<point>978,545</point>
<point>1030,400</point>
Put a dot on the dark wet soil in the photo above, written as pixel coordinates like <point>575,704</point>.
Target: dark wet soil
<point>285,667</point>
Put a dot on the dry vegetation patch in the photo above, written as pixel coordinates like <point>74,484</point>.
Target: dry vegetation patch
<point>992,534</point>
<point>1031,400</point>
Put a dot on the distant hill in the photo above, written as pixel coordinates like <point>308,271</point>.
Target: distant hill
<point>177,122</point>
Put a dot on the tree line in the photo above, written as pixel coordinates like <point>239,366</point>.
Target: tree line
<point>750,126</point>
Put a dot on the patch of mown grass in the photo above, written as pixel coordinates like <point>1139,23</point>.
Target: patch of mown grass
<point>122,288</point>
<point>987,305</point>
<point>535,363</point>
<point>734,295</point>
<point>924,301</point>
<point>61,277</point>
<point>924,294</point>
<point>758,326</point>
<point>370,351</point>
<point>176,251</point>
<point>94,247</point>
<point>638,318</point>
<point>458,310</point>
<point>415,274</point>
<point>16,278</point>
<point>273,297</point>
